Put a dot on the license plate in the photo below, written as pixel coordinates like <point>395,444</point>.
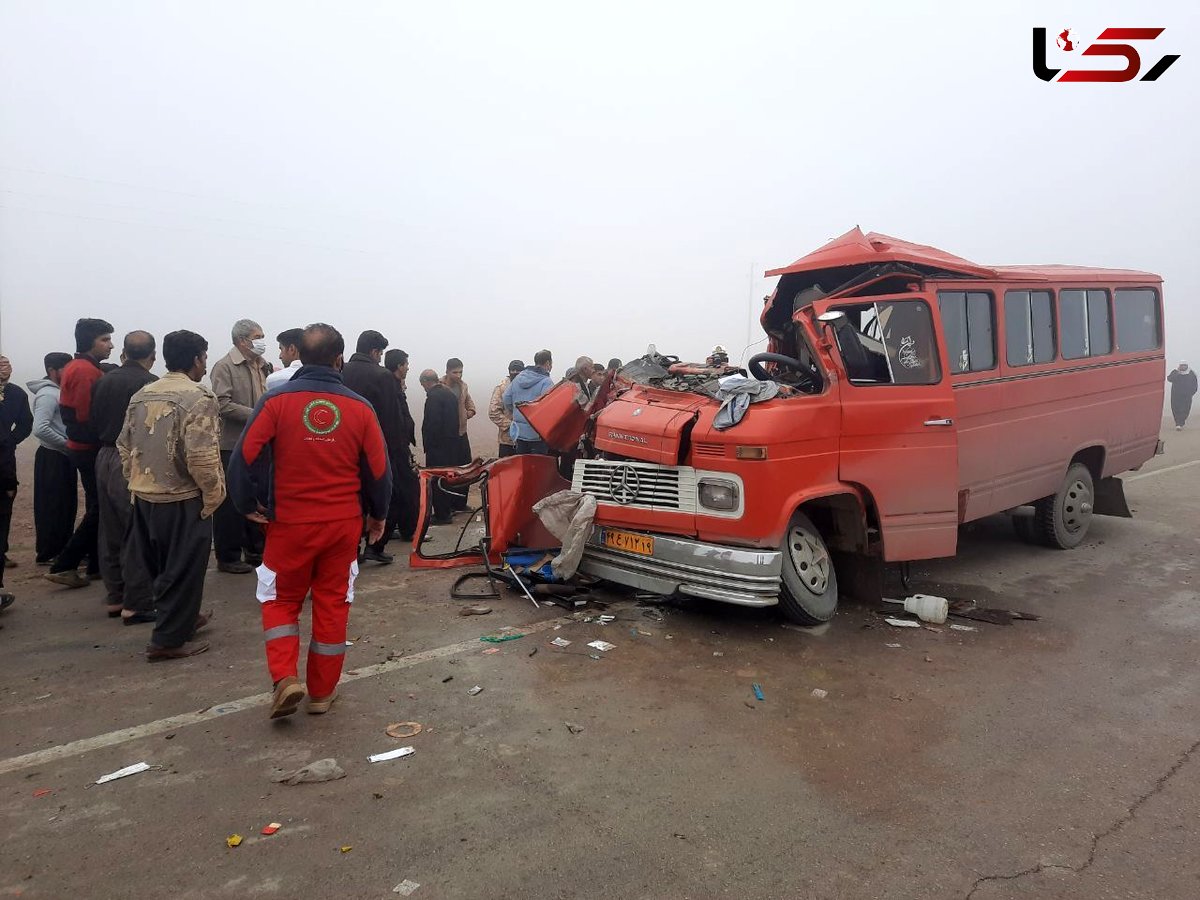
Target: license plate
<point>641,544</point>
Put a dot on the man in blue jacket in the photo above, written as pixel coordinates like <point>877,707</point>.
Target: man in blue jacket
<point>531,383</point>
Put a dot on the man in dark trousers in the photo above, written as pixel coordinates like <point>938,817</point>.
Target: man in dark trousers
<point>406,489</point>
<point>170,450</point>
<point>441,437</point>
<point>16,423</point>
<point>93,345</point>
<point>327,457</point>
<point>1183,388</point>
<point>364,375</point>
<point>55,484</point>
<point>130,593</point>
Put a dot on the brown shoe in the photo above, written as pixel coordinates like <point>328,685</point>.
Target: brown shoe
<point>318,706</point>
<point>158,654</point>
<point>288,694</point>
<point>71,578</point>
<point>202,620</point>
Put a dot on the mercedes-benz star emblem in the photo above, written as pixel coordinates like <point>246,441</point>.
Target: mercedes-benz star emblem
<point>624,484</point>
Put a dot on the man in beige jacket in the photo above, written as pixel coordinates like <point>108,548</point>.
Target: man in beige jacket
<point>466,410</point>
<point>499,415</point>
<point>239,379</point>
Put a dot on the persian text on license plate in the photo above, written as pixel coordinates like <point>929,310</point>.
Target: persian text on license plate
<point>641,544</point>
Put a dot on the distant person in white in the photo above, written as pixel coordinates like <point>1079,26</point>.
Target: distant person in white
<point>289,355</point>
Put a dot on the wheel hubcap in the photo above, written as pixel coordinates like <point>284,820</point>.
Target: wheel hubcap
<point>810,559</point>
<point>1077,506</point>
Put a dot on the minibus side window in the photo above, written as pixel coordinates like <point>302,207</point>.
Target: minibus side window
<point>968,323</point>
<point>1138,326</point>
<point>1084,320</point>
<point>889,343</point>
<point>1028,327</point>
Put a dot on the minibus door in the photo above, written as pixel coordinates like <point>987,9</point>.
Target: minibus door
<point>898,435</point>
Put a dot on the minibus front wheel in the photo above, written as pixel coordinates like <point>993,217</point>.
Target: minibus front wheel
<point>1062,520</point>
<point>810,590</point>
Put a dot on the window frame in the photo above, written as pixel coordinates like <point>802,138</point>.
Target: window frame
<point>1087,321</point>
<point>936,347</point>
<point>1159,331</point>
<point>1055,349</point>
<point>966,292</point>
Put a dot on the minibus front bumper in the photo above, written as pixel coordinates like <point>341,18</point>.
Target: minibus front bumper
<point>677,565</point>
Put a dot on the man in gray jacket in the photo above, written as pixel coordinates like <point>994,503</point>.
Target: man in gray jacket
<point>55,481</point>
<point>239,379</point>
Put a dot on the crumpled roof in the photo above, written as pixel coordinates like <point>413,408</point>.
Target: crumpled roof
<point>855,248</point>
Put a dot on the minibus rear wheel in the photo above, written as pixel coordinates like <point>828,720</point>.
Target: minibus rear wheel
<point>810,591</point>
<point>1063,519</point>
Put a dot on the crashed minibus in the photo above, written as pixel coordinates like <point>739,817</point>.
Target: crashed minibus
<point>904,392</point>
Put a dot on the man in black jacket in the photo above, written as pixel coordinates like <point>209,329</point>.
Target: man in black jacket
<point>440,435</point>
<point>364,375</point>
<point>406,486</point>
<point>130,591</point>
<point>16,423</point>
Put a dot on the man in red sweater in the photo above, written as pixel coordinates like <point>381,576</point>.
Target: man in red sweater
<point>314,454</point>
<point>93,345</point>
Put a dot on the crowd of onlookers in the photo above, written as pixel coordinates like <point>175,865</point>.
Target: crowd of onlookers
<point>81,414</point>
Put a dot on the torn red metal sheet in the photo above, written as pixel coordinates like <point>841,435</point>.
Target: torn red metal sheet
<point>560,416</point>
<point>855,249</point>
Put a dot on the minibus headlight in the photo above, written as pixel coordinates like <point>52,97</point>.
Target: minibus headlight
<point>717,493</point>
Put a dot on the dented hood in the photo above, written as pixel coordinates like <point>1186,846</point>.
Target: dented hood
<point>648,424</point>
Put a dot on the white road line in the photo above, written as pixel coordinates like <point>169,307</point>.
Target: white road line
<point>1162,471</point>
<point>125,735</point>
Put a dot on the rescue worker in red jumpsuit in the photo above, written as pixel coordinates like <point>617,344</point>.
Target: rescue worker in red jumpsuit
<point>311,456</point>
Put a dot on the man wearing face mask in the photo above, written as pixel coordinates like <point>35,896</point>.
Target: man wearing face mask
<point>239,379</point>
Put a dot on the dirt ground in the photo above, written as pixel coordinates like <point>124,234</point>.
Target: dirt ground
<point>1047,759</point>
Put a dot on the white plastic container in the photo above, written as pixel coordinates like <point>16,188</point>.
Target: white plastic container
<point>928,608</point>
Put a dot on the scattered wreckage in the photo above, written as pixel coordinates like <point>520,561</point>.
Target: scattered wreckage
<point>904,392</point>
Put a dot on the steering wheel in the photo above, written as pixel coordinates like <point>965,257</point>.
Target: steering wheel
<point>756,361</point>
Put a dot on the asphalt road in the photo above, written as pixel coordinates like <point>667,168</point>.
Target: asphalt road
<point>1047,759</point>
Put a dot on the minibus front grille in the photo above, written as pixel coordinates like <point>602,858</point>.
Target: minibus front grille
<point>637,484</point>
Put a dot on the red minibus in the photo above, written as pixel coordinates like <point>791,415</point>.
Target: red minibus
<point>904,392</point>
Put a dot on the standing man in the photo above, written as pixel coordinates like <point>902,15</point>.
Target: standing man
<point>289,356</point>
<point>439,434</point>
<point>406,488</point>
<point>530,384</point>
<point>55,487</point>
<point>500,416</point>
<point>328,457</point>
<point>466,410</point>
<point>1183,388</point>
<point>93,345</point>
<point>16,423</point>
<point>583,374</point>
<point>130,593</point>
<point>171,456</point>
<point>239,379</point>
<point>364,375</point>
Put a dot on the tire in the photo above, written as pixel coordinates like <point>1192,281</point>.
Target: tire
<point>1026,529</point>
<point>1062,521</point>
<point>810,591</point>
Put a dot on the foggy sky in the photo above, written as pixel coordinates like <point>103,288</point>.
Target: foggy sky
<point>483,180</point>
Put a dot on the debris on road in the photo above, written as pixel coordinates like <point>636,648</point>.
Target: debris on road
<point>447,678</point>
<point>893,646</point>
<point>475,690</point>
<point>927,608</point>
<point>902,623</point>
<point>475,611</point>
<point>955,627</point>
<point>405,888</point>
<point>43,792</point>
<point>492,650</point>
<point>573,728</point>
<point>560,642</point>
<point>122,773</point>
<point>392,754</point>
<point>345,848</point>
<point>749,704</point>
<point>401,730</point>
<point>602,646</point>
<point>233,840</point>
<point>500,638</point>
<point>532,652</point>
<point>758,691</point>
<point>271,829</point>
<point>820,693</point>
<point>315,772</point>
